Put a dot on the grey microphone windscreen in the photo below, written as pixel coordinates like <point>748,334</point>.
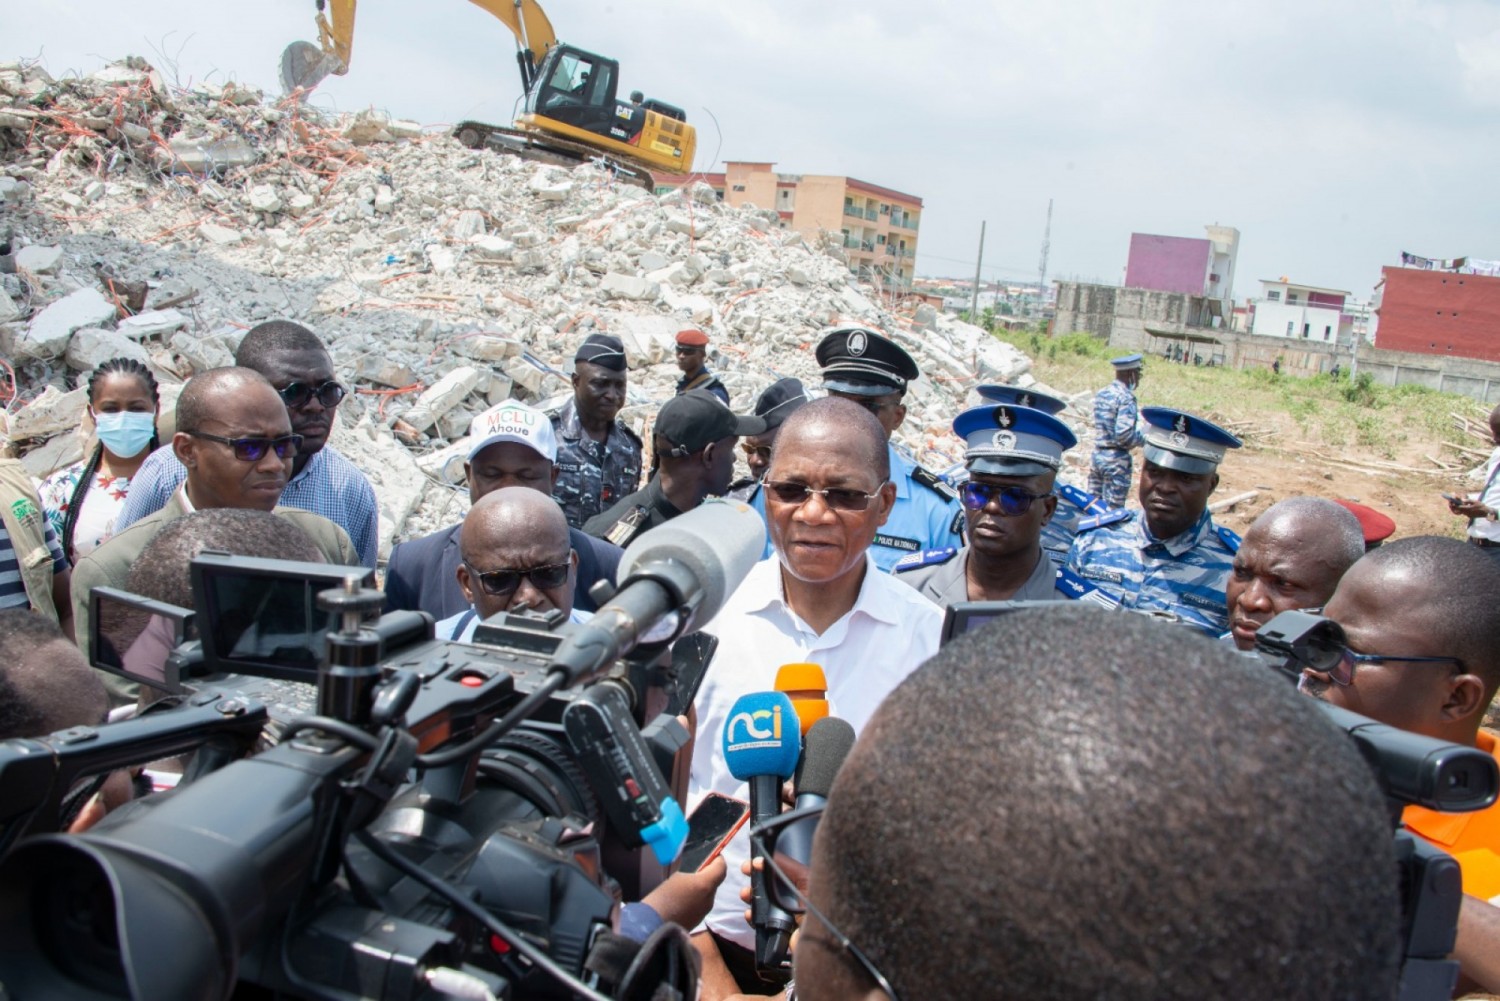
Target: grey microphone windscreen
<point>718,542</point>
<point>828,743</point>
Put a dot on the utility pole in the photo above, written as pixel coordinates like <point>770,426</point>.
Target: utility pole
<point>974,300</point>
<point>1041,285</point>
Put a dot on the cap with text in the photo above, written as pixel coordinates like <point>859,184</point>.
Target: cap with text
<point>516,422</point>
<point>860,362</point>
<point>1006,440</point>
<point>1180,441</point>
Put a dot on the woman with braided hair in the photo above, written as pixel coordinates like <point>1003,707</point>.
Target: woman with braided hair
<point>84,499</point>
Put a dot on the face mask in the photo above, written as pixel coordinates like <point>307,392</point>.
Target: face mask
<point>124,433</point>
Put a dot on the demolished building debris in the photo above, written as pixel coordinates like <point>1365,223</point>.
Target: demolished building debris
<point>443,279</point>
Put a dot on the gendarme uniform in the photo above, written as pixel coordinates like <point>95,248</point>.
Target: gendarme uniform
<point>592,475</point>
<point>861,363</point>
<point>1184,575</point>
<point>1115,434</point>
<point>703,379</point>
<point>1073,504</point>
<point>1001,440</point>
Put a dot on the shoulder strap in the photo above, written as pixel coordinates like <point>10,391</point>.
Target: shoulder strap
<point>624,530</point>
<point>933,482</point>
<point>1100,520</point>
<point>1079,589</point>
<point>926,558</point>
<point>1228,537</point>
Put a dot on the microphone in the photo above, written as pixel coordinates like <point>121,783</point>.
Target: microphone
<point>672,579</point>
<point>762,741</point>
<point>805,685</point>
<point>828,743</point>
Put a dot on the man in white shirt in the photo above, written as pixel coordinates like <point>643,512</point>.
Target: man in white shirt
<point>819,599</point>
<point>1483,508</point>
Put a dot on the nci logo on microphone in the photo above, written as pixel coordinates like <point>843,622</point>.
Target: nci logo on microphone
<point>756,728</point>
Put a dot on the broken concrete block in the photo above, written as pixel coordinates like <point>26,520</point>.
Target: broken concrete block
<point>300,203</point>
<point>202,353</point>
<point>488,348</point>
<point>455,423</point>
<point>404,128</point>
<point>39,260</point>
<point>469,224</point>
<point>8,309</point>
<point>441,258</point>
<point>527,376</point>
<point>445,394</point>
<point>383,372</point>
<point>151,323</point>
<point>91,346</point>
<point>652,261</point>
<point>393,473</point>
<point>51,412</point>
<point>56,453</point>
<point>204,156</point>
<point>93,191</point>
<point>220,236</point>
<point>493,248</point>
<point>797,275</point>
<point>48,333</point>
<point>549,190</point>
<point>447,463</point>
<point>697,225</point>
<point>385,198</point>
<point>618,286</point>
<point>263,198</point>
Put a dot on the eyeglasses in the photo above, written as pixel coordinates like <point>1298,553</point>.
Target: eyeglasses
<point>783,892</point>
<point>762,452</point>
<point>1342,673</point>
<point>255,449</point>
<point>1013,500</point>
<point>503,582</point>
<point>298,393</point>
<point>837,498</point>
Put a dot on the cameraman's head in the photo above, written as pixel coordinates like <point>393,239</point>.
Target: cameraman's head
<point>1291,558</point>
<point>163,572</point>
<point>1022,819</point>
<point>516,549</point>
<point>1422,620</point>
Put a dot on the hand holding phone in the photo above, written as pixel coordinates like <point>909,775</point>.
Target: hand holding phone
<point>1453,500</point>
<point>710,827</point>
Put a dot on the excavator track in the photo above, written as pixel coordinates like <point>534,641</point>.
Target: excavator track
<point>543,148</point>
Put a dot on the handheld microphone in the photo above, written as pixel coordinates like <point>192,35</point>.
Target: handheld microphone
<point>828,743</point>
<point>805,685</point>
<point>672,579</point>
<point>762,741</point>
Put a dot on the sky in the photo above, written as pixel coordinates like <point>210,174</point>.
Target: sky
<point>1334,134</point>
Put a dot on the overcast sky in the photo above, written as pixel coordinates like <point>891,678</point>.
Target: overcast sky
<point>1333,134</point>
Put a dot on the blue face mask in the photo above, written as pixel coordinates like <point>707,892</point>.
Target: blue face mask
<point>124,433</point>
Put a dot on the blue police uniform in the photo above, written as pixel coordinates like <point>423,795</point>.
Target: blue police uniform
<point>1185,574</point>
<point>1115,434</point>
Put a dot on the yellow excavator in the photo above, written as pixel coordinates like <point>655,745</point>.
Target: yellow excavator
<point>572,113</point>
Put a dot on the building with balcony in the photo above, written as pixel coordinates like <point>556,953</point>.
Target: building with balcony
<point>876,226</point>
<point>1301,312</point>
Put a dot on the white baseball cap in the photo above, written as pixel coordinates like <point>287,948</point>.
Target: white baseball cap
<point>514,421</point>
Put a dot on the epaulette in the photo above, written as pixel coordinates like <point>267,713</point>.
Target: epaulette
<point>1100,520</point>
<point>1081,499</point>
<point>926,558</point>
<point>1079,589</point>
<point>630,433</point>
<point>622,531</point>
<point>933,482</point>
<point>1228,537</point>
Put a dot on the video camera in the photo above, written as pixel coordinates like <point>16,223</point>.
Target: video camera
<point>453,820</point>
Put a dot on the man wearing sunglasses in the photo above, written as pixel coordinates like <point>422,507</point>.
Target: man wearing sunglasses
<point>820,600</point>
<point>1169,556</point>
<point>694,441</point>
<point>513,446</point>
<point>235,441</point>
<point>1012,454</point>
<point>774,406</point>
<point>323,481</point>
<point>871,370</point>
<point>1421,618</point>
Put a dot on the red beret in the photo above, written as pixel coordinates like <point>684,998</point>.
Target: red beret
<point>1376,526</point>
<point>692,337</point>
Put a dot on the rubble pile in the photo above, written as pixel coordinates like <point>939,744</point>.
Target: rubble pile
<point>161,223</point>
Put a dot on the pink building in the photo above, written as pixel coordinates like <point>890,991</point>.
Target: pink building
<point>1184,264</point>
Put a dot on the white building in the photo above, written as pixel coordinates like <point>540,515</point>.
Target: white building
<point>1300,312</point>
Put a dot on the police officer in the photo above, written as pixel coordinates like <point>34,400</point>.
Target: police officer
<point>1012,455</point>
<point>598,457</point>
<point>1169,556</point>
<point>694,438</point>
<point>873,371</point>
<point>1115,433</point>
<point>692,355</point>
<point>1073,503</point>
<point>775,405</point>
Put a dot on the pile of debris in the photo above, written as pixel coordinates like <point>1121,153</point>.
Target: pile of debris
<point>161,223</point>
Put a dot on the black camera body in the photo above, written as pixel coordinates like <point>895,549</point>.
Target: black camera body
<point>320,868</point>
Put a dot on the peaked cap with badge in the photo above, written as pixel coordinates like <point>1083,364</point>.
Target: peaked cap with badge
<point>1180,441</point>
<point>860,362</point>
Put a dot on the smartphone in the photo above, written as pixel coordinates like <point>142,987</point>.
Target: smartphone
<point>1451,499</point>
<point>710,827</point>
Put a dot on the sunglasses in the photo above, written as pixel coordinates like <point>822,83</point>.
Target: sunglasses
<point>503,582</point>
<point>255,449</point>
<point>762,452</point>
<point>298,393</point>
<point>1013,500</point>
<point>837,498</point>
<point>783,891</point>
<point>1342,673</point>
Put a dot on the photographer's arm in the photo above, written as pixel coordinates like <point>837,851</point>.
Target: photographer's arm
<point>718,984</point>
<point>1478,947</point>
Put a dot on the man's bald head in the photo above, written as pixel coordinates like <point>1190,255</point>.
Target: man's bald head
<point>45,683</point>
<point>1330,529</point>
<point>205,392</point>
<point>521,529</point>
<point>515,513</point>
<point>835,418</point>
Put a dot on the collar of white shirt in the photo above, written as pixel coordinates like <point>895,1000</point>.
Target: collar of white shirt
<point>764,586</point>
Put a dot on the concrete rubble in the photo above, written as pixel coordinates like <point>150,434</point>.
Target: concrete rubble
<point>442,278</point>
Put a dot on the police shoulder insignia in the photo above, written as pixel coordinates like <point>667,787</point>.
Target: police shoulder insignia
<point>959,525</point>
<point>622,531</point>
<point>1100,520</point>
<point>1228,537</point>
<point>926,558</point>
<point>933,482</point>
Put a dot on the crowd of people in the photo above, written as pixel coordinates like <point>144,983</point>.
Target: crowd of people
<point>1023,813</point>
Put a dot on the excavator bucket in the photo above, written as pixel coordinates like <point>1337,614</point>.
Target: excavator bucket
<point>303,65</point>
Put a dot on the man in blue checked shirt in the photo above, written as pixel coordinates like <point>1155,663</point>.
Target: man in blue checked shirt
<point>1169,556</point>
<point>299,368</point>
<point>1115,433</point>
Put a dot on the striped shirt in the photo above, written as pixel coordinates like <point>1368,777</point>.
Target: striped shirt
<point>12,590</point>
<point>329,485</point>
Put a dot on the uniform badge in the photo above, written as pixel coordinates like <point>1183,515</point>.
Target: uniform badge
<point>1003,417</point>
<point>1026,400</point>
<point>857,343</point>
<point>1179,439</point>
<point>1004,440</point>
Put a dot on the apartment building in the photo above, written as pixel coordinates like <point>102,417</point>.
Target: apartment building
<point>1303,312</point>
